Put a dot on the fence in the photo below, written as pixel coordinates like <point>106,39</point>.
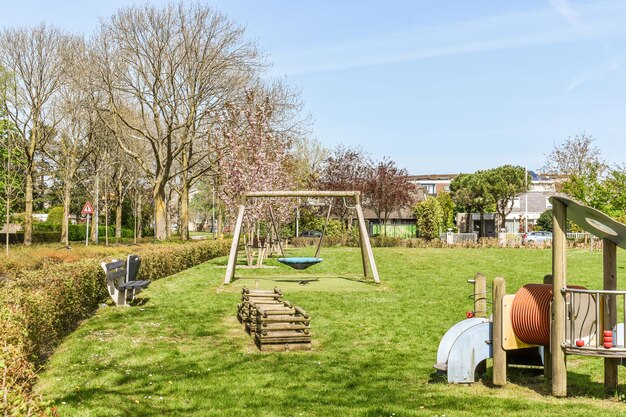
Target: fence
<point>454,238</point>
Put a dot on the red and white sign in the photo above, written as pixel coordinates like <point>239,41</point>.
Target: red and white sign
<point>87,209</point>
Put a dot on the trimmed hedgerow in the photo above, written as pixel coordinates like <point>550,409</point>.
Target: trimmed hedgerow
<point>39,307</point>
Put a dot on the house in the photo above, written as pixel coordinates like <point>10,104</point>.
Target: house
<point>432,184</point>
<point>528,207</point>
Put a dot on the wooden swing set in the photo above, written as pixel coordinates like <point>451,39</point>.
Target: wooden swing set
<point>367,255</point>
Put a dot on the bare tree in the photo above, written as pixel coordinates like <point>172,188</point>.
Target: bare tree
<point>166,63</point>
<point>72,145</point>
<point>34,57</point>
<point>575,157</point>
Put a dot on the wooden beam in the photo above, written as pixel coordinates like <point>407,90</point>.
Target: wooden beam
<point>480,295</point>
<point>547,358</point>
<point>609,267</point>
<point>559,281</point>
<point>499,354</point>
<point>269,194</point>
<point>232,259</point>
<point>365,244</point>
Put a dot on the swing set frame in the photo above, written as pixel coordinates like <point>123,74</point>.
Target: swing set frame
<point>367,255</point>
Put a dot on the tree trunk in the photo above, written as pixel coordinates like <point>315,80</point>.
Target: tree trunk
<point>220,235</point>
<point>67,194</point>
<point>139,218</point>
<point>118,209</point>
<point>118,220</point>
<point>28,209</point>
<point>184,211</point>
<point>8,216</point>
<point>96,214</point>
<point>160,213</point>
<point>482,224</point>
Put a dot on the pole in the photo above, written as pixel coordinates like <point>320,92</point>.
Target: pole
<point>87,232</point>
<point>559,281</point>
<point>526,199</point>
<point>499,354</point>
<point>610,311</point>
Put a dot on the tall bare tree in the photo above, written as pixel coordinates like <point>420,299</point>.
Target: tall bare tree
<point>169,65</point>
<point>72,145</point>
<point>34,56</point>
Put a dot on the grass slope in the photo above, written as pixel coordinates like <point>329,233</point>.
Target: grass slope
<point>183,352</point>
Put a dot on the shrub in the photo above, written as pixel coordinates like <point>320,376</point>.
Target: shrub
<point>77,232</point>
<point>55,215</point>
<point>429,217</point>
<point>39,307</point>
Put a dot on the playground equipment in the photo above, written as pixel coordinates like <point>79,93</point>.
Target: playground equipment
<point>367,255</point>
<point>549,320</point>
<point>304,262</point>
<point>276,325</point>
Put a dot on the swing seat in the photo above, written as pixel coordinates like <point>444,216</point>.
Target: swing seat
<point>300,263</point>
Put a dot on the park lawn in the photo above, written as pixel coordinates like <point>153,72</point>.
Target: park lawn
<point>183,353</point>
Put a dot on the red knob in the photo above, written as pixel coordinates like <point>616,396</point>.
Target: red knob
<point>469,314</point>
<point>608,345</point>
<point>608,333</point>
<point>580,343</point>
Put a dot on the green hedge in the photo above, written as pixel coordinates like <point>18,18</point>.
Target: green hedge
<point>77,232</point>
<point>38,308</point>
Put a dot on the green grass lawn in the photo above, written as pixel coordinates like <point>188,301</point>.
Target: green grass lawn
<point>183,353</point>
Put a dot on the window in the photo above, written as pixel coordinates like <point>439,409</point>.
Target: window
<point>429,188</point>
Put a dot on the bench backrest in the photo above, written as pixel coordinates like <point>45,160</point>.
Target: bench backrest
<point>115,269</point>
<point>133,263</point>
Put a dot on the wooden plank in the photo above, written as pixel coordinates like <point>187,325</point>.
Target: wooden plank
<point>232,258</point>
<point>283,326</point>
<point>284,319</point>
<point>365,242</point>
<point>559,281</point>
<point>509,340</point>
<point>499,354</point>
<point>609,267</point>
<point>598,353</point>
<point>310,193</point>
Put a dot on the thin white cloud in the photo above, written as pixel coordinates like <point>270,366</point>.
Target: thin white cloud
<point>564,9</point>
<point>612,65</point>
<point>500,32</point>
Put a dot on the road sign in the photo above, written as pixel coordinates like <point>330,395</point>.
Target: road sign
<point>87,209</point>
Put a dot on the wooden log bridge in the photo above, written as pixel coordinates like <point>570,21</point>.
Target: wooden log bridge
<point>276,324</point>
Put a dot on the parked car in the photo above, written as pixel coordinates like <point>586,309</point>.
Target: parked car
<point>311,233</point>
<point>536,238</point>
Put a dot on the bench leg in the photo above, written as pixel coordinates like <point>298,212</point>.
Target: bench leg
<point>121,298</point>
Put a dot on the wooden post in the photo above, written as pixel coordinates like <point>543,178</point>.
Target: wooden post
<point>366,247</point>
<point>480,295</point>
<point>610,311</point>
<point>547,358</point>
<point>559,276</point>
<point>499,354</point>
<point>232,259</point>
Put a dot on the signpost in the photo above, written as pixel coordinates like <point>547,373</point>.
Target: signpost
<point>87,210</point>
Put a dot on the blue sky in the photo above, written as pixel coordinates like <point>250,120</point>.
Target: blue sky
<point>439,86</point>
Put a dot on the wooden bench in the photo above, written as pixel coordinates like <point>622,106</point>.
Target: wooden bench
<point>121,278</point>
